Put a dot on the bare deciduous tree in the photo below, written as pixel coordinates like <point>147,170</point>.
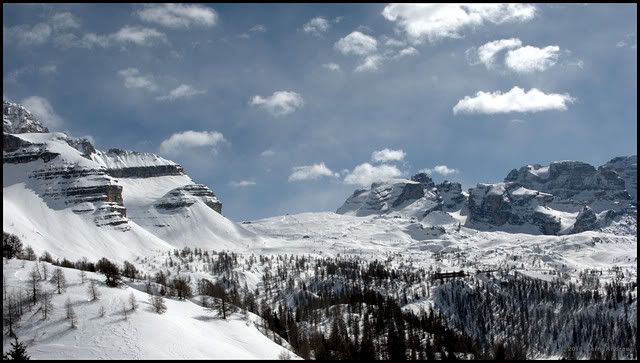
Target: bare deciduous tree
<point>92,290</point>
<point>59,280</point>
<point>157,302</point>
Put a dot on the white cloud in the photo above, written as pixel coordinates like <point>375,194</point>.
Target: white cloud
<point>126,35</point>
<point>242,184</point>
<point>89,40</point>
<point>356,43</point>
<point>406,52</point>
<point>487,52</point>
<point>25,35</point>
<point>441,169</point>
<point>133,79</point>
<point>179,15</point>
<point>385,155</point>
<point>183,91</point>
<point>394,43</point>
<point>332,66</point>
<point>439,21</point>
<point>48,69</point>
<point>258,28</point>
<point>310,172</point>
<point>370,63</point>
<point>41,107</point>
<point>515,100</point>
<point>190,139</point>
<point>530,59</point>
<point>279,103</point>
<point>64,21</point>
<point>316,25</point>
<point>139,35</point>
<point>365,174</point>
<point>267,153</point>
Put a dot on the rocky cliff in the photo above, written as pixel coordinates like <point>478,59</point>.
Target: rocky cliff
<point>560,198</point>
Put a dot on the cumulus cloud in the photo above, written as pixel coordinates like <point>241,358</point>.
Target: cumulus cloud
<point>311,172</point>
<point>515,100</point>
<point>139,36</point>
<point>370,63</point>
<point>26,35</point>
<point>126,35</point>
<point>267,153</point>
<point>258,28</point>
<point>316,25</point>
<point>279,103</point>
<point>179,15</point>
<point>404,52</point>
<point>64,21</point>
<point>487,52</point>
<point>365,174</point>
<point>183,91</point>
<point>242,184</point>
<point>41,107</point>
<point>133,79</point>
<point>180,141</point>
<point>441,169</point>
<point>332,66</point>
<point>356,43</point>
<point>385,155</point>
<point>530,59</point>
<point>438,21</point>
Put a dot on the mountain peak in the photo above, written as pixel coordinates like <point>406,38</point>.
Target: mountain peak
<point>16,119</point>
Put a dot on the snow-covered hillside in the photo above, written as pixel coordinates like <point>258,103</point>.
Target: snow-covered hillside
<point>62,195</point>
<point>185,331</point>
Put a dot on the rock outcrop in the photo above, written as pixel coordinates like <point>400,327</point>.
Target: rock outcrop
<point>188,195</point>
<point>416,197</point>
<point>16,119</point>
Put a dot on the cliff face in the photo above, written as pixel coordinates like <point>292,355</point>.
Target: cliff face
<point>70,173</point>
<point>416,197</point>
<point>560,198</point>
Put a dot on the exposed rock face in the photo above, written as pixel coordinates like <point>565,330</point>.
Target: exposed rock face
<point>17,151</point>
<point>627,168</point>
<point>67,172</point>
<point>451,195</point>
<point>423,179</point>
<point>585,221</point>
<point>16,119</point>
<point>409,192</point>
<point>413,198</point>
<point>574,185</point>
<point>562,193</point>
<point>188,195</point>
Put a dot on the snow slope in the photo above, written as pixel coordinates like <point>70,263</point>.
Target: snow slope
<point>184,331</point>
<point>59,195</point>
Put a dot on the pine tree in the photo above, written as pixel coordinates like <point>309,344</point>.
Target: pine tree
<point>18,351</point>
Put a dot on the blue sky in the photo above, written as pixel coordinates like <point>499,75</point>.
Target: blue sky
<point>289,108</point>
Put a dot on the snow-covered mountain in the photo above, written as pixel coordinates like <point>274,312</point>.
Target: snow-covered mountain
<point>64,196</point>
<point>561,198</point>
<point>416,197</point>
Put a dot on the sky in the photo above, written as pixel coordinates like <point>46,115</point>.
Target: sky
<point>288,108</point>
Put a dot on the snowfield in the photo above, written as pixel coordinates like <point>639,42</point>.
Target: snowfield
<point>185,331</point>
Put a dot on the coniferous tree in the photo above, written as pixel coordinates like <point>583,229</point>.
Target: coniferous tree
<point>18,351</point>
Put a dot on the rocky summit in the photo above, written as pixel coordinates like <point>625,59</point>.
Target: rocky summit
<point>563,197</point>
